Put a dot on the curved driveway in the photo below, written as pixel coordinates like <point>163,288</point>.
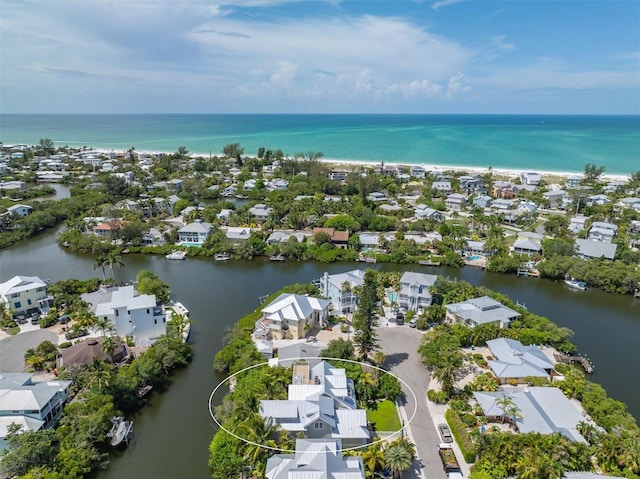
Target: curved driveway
<point>400,345</point>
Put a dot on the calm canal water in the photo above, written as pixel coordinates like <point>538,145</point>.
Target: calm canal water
<point>174,431</point>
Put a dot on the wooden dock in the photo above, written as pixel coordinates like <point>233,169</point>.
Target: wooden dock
<point>582,361</point>
<point>426,262</point>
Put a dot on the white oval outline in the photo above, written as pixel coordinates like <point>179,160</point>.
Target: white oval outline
<point>289,451</point>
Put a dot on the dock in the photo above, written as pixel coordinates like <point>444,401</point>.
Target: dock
<point>427,262</point>
<point>582,361</point>
<point>121,431</point>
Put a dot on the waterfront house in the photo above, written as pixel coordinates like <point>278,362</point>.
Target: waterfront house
<point>260,212</point>
<point>109,229</point>
<point>25,295</point>
<point>195,233</point>
<point>290,315</point>
<point>224,215</point>
<point>236,234</point>
<point>13,186</point>
<point>20,210</point>
<point>476,248</point>
<point>339,239</point>
<point>527,246</point>
<point>482,310</point>
<point>229,191</point>
<point>588,249</point>
<point>471,184</point>
<point>573,181</point>
<point>455,201</point>
<point>515,362</point>
<point>279,184</point>
<point>417,171</point>
<point>602,231</point>
<point>338,175</point>
<point>315,459</point>
<point>32,405</point>
<point>415,290</point>
<point>84,352</point>
<point>530,178</point>
<point>249,185</point>
<point>136,315</point>
<point>321,403</point>
<point>153,237</point>
<point>634,227</point>
<point>544,410</point>
<point>278,237</point>
<point>340,288</point>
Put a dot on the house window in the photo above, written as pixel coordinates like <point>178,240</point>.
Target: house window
<point>155,321</point>
<point>29,302</point>
<point>117,313</point>
<point>129,313</point>
<point>318,425</point>
<point>147,310</point>
<point>17,304</point>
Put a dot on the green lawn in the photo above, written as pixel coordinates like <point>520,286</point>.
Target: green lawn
<point>385,417</point>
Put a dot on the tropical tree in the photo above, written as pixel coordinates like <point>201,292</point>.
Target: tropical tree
<point>105,325</point>
<point>364,320</point>
<point>509,409</point>
<point>112,259</point>
<point>258,432</point>
<point>47,145</point>
<point>99,375</point>
<point>101,261</point>
<point>372,458</point>
<point>398,457</point>
<point>109,345</point>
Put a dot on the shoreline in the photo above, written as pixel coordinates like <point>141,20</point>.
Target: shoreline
<point>339,162</point>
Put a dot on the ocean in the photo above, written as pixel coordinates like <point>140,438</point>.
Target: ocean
<point>537,142</point>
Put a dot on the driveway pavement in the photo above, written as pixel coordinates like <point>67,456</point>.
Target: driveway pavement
<point>400,345</point>
<point>12,348</point>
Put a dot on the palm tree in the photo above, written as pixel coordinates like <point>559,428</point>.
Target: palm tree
<point>98,374</point>
<point>109,345</point>
<point>373,459</point>
<point>105,325</point>
<point>114,259</point>
<point>179,323</point>
<point>258,432</point>
<point>101,262</point>
<point>398,457</point>
<point>35,361</point>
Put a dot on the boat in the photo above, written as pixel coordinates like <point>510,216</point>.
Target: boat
<point>222,256</point>
<point>142,392</point>
<point>574,283</point>
<point>177,254</point>
<point>278,257</point>
<point>121,431</point>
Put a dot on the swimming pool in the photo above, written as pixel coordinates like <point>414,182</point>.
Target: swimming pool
<point>475,257</point>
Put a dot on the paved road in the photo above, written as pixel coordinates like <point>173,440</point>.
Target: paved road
<point>400,344</point>
<point>12,349</point>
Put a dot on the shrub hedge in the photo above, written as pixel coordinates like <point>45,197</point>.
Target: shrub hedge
<point>461,434</point>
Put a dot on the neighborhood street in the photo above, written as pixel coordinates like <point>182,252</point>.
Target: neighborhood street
<point>400,344</point>
<point>12,348</point>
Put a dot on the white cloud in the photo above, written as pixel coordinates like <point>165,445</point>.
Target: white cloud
<point>455,86</point>
<point>444,3</point>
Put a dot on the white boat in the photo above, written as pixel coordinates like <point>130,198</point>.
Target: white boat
<point>177,254</point>
<point>222,256</point>
<point>574,283</point>
<point>121,431</point>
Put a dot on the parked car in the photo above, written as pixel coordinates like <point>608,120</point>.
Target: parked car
<point>73,334</point>
<point>399,319</point>
<point>445,432</point>
<point>20,319</point>
<point>35,317</point>
<point>64,319</point>
<point>413,322</point>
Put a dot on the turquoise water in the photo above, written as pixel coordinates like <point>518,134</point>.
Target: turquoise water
<point>541,142</point>
<point>474,257</point>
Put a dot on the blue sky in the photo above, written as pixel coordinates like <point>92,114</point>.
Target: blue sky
<point>332,56</point>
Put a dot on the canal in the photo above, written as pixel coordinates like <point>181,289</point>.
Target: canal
<point>172,434</point>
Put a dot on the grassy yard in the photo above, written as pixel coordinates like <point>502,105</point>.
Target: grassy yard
<point>385,417</point>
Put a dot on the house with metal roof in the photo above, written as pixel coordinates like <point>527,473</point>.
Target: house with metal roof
<point>424,212</point>
<point>237,234</point>
<point>602,231</point>
<point>589,249</point>
<point>260,212</point>
<point>20,210</point>
<point>513,361</point>
<point>315,459</point>
<point>527,246</point>
<point>132,314</point>
<point>321,404</point>
<point>340,289</point>
<point>25,295</point>
<point>195,233</point>
<point>32,405</point>
<point>544,410</point>
<point>290,315</point>
<point>482,310</point>
<point>415,290</point>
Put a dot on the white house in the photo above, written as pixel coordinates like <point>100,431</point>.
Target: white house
<point>415,290</point>
<point>478,311</point>
<point>32,405</point>
<point>515,362</point>
<point>417,171</point>
<point>530,178</point>
<point>315,458</point>
<point>194,233</point>
<point>577,223</point>
<point>589,249</point>
<point>444,186</point>
<point>20,210</point>
<point>25,295</point>
<point>339,289</point>
<point>598,200</point>
<point>455,201</point>
<point>555,198</point>
<point>424,212</point>
<point>290,315</point>
<point>602,231</point>
<point>132,314</point>
<point>236,234</point>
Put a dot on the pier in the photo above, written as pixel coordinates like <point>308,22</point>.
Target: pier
<point>583,361</point>
<point>427,262</point>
